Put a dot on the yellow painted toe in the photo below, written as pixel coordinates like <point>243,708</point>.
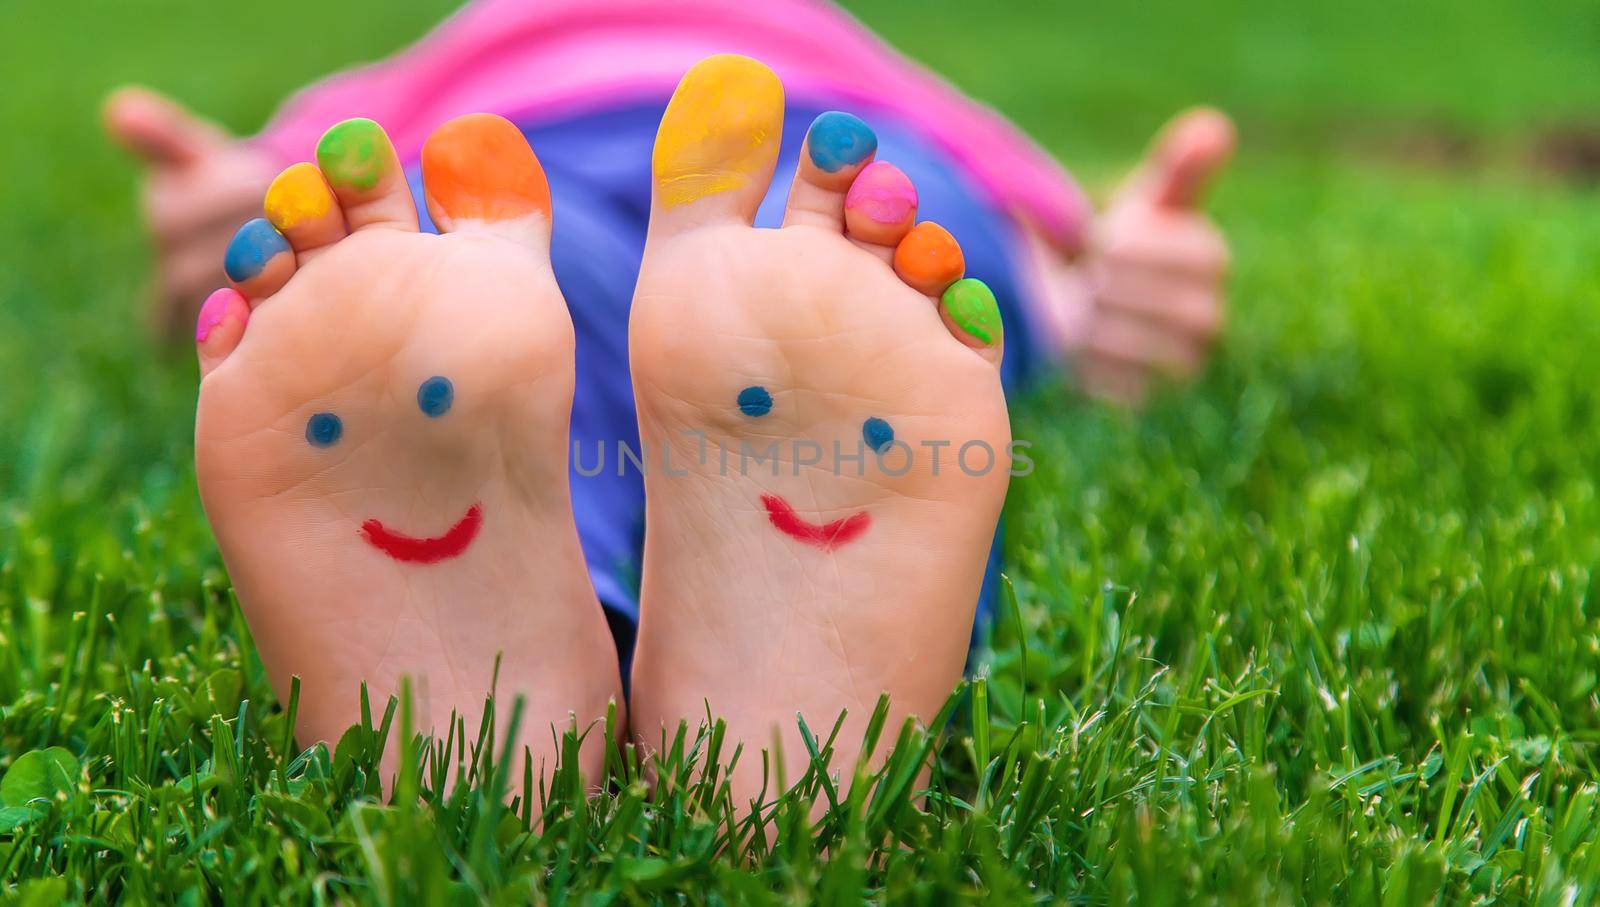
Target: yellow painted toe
<point>720,132</point>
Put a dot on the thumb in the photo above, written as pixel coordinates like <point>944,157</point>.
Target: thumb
<point>1189,149</point>
<point>157,129</point>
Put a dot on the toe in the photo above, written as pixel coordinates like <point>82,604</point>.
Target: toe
<point>302,206</point>
<point>359,162</point>
<point>220,327</point>
<point>478,173</point>
<point>969,310</point>
<point>929,259</point>
<point>837,147</point>
<point>718,142</point>
<point>880,208</point>
<point>258,260</point>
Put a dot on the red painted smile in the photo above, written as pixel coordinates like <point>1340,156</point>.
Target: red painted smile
<point>826,536</point>
<point>403,547</point>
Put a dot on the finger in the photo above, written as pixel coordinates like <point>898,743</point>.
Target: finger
<point>186,275</point>
<point>1184,306</point>
<point>1182,245</point>
<point>1113,381</point>
<point>1185,155</point>
<point>158,129</point>
<point>181,215</point>
<point>1136,342</point>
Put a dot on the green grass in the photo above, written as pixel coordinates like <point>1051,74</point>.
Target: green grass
<point>1322,629</point>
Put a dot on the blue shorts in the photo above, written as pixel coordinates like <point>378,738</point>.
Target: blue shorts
<point>599,170</point>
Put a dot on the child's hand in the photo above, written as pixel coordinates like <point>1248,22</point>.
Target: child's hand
<point>200,184</point>
<point>1154,273</point>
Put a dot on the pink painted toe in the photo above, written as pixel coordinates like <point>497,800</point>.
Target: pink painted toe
<point>881,204</point>
<point>214,310</point>
<point>220,326</point>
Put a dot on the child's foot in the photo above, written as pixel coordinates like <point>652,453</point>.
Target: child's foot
<point>813,582</point>
<point>382,439</point>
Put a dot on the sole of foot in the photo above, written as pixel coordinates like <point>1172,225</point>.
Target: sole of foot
<point>381,441</point>
<point>827,397</point>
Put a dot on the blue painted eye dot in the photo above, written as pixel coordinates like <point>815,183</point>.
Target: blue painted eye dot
<point>324,429</point>
<point>878,434</point>
<point>435,396</point>
<point>755,401</point>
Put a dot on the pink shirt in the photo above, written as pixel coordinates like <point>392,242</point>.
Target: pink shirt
<point>532,60</point>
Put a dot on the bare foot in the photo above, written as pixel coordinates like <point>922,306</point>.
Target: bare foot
<point>382,439</point>
<point>199,184</point>
<point>813,582</point>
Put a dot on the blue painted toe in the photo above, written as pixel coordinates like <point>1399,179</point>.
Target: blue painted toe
<point>838,140</point>
<point>256,244</point>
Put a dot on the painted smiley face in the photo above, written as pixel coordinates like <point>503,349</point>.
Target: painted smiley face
<point>435,396</point>
<point>755,401</point>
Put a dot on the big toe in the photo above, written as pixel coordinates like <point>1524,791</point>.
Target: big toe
<point>480,175</point>
<point>718,142</point>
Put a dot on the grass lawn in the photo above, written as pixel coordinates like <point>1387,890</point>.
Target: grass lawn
<point>1322,629</point>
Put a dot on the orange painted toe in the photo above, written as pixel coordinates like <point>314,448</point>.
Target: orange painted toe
<point>929,259</point>
<point>479,167</point>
